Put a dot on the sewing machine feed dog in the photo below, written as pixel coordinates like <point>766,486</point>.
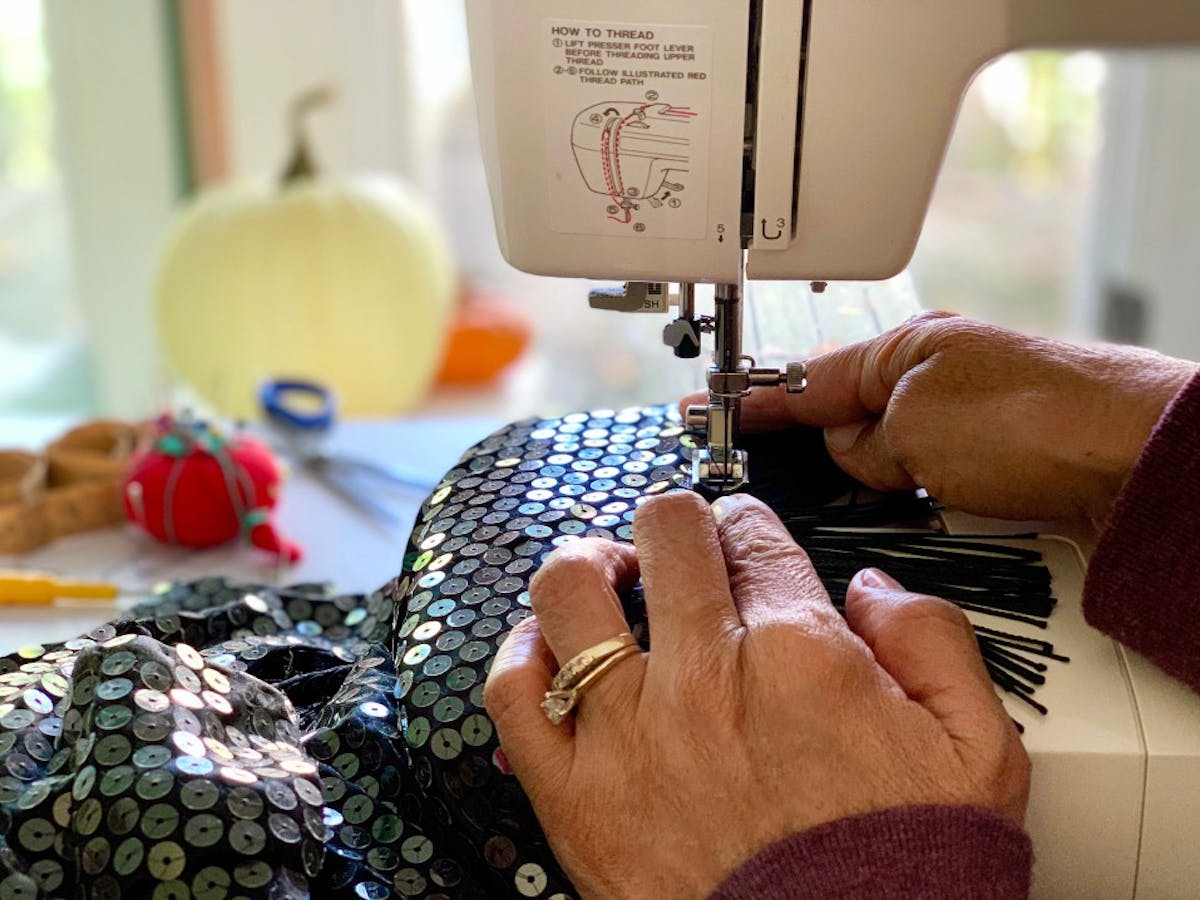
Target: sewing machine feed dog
<point>706,142</point>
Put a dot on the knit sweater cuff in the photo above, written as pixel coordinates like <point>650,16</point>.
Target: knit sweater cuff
<point>1143,581</point>
<point>931,852</point>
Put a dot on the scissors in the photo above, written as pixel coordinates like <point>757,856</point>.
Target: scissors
<point>303,413</point>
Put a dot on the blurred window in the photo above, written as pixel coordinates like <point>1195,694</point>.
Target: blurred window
<point>43,363</point>
<point>1008,228</point>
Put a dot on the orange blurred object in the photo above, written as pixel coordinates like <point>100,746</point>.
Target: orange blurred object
<point>486,337</point>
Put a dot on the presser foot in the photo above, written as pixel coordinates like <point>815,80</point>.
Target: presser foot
<point>719,477</point>
<point>718,467</point>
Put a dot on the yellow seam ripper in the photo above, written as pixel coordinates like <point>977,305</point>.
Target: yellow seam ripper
<point>42,589</point>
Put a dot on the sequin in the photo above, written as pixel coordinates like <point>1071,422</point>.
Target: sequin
<point>117,780</point>
<point>446,743</point>
<point>155,784</point>
<point>159,821</point>
<point>18,886</point>
<point>530,880</point>
<point>416,655</point>
<point>199,795</point>
<point>166,860</point>
<point>375,710</point>
<point>114,749</point>
<point>128,856</point>
<point>114,688</point>
<point>21,767</point>
<point>123,815</point>
<point>409,882</point>
<point>211,883</point>
<point>151,727</point>
<point>216,680</point>
<point>151,700</point>
<point>252,875</point>
<point>187,678</point>
<point>247,837</point>
<point>151,757</point>
<point>203,830</point>
<point>111,718</point>
<point>307,792</point>
<point>188,744</point>
<point>193,766</point>
<point>185,698</point>
<point>416,849</point>
<point>36,835</point>
<point>48,873</point>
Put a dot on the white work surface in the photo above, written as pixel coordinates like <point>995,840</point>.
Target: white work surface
<point>343,545</point>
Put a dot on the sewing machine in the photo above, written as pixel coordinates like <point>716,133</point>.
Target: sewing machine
<point>685,142</point>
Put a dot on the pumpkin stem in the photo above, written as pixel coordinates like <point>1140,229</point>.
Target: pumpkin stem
<point>301,166</point>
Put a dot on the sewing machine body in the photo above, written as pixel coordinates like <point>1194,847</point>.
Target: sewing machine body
<point>686,141</point>
<point>808,134</point>
<point>1113,808</point>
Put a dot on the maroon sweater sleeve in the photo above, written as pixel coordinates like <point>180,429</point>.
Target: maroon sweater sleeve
<point>931,852</point>
<point>1143,581</point>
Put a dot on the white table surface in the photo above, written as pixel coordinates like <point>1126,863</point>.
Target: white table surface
<point>342,544</point>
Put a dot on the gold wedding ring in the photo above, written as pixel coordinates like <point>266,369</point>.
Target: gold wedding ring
<point>581,671</point>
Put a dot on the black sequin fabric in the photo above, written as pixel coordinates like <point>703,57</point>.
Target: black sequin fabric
<point>230,740</point>
<point>235,740</point>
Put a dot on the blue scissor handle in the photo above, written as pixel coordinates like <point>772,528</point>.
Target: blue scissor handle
<point>278,396</point>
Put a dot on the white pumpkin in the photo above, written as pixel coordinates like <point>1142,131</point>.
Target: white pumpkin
<point>344,281</point>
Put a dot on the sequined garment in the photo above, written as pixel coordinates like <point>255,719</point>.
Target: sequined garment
<point>228,740</point>
<point>241,740</point>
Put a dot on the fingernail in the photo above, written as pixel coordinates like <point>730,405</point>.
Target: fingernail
<point>873,578</point>
<point>500,758</point>
<point>842,438</point>
<point>723,506</point>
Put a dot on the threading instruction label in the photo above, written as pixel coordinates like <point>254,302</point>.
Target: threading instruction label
<point>628,124</point>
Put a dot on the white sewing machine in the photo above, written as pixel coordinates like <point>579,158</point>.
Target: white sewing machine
<point>662,142</point>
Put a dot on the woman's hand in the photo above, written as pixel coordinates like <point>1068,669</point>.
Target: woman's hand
<point>987,420</point>
<point>758,712</point>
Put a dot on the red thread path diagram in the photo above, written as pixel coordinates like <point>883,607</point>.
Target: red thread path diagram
<point>634,153</point>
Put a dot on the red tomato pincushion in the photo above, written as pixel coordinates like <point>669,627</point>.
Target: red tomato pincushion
<point>195,488</point>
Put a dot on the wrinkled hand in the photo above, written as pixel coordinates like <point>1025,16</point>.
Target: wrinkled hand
<point>758,712</point>
<point>987,420</point>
